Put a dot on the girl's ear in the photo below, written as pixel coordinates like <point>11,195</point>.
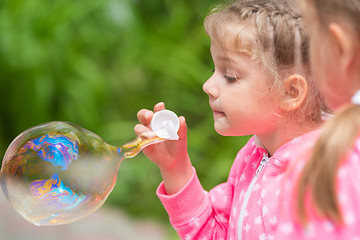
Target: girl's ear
<point>295,90</point>
<point>342,40</point>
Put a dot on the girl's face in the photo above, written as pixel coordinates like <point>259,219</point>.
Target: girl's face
<point>324,62</point>
<point>240,96</point>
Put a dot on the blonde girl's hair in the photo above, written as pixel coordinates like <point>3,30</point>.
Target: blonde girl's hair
<point>318,177</point>
<point>270,32</point>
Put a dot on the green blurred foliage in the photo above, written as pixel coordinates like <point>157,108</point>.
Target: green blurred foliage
<point>96,63</point>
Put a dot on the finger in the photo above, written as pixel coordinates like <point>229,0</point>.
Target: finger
<point>140,129</point>
<point>144,116</point>
<point>159,106</point>
<point>183,128</point>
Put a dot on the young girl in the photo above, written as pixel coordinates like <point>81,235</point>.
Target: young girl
<point>323,198</point>
<point>261,86</point>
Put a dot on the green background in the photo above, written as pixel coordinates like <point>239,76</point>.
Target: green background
<point>96,63</point>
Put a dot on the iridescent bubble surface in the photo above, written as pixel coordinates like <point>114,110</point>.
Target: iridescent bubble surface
<point>58,172</point>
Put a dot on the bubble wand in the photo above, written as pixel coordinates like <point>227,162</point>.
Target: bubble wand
<point>57,172</point>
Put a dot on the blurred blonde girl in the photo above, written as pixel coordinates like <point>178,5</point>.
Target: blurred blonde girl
<point>322,194</point>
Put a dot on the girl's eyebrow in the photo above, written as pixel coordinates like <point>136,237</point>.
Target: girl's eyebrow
<point>232,59</point>
<point>222,58</point>
<point>226,59</point>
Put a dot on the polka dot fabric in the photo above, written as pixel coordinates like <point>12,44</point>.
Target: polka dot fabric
<point>198,214</point>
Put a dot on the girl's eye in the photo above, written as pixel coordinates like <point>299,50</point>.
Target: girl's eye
<point>230,79</point>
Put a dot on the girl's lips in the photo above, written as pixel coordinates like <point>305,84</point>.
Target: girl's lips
<point>218,114</point>
<point>216,110</point>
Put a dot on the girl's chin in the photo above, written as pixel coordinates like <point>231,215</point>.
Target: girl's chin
<point>222,130</point>
<point>225,130</point>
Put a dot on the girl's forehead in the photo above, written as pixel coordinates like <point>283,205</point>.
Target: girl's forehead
<point>240,37</point>
<point>232,58</point>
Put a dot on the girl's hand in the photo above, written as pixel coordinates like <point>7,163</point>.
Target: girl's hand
<point>170,156</point>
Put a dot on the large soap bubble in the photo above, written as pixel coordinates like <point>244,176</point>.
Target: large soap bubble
<point>58,172</point>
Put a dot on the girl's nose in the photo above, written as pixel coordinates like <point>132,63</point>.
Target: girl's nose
<point>210,87</point>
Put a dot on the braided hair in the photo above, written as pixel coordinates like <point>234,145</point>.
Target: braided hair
<point>270,32</point>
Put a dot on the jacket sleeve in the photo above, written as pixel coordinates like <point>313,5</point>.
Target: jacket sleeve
<point>196,213</point>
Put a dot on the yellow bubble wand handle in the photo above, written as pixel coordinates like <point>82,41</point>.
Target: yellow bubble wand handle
<point>131,149</point>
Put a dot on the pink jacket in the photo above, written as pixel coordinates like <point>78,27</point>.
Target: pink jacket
<point>348,190</point>
<point>249,200</point>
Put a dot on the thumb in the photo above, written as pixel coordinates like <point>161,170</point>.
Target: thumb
<point>183,128</point>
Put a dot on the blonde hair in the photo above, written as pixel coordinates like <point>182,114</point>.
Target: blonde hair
<point>270,32</point>
<point>338,135</point>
